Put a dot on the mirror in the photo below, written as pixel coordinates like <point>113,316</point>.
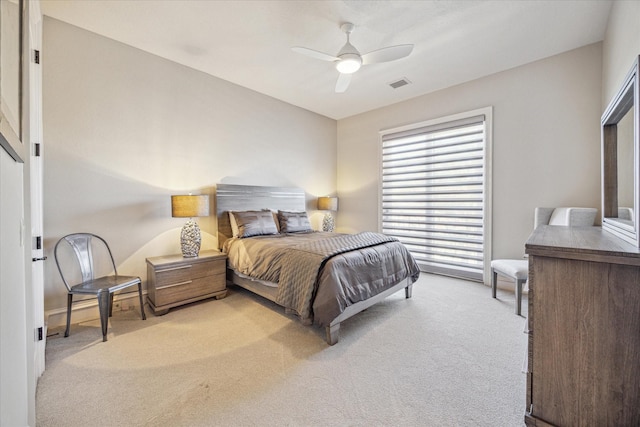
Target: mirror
<point>11,19</point>
<point>620,162</point>
<point>625,166</point>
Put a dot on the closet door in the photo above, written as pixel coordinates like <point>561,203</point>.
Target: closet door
<point>13,314</point>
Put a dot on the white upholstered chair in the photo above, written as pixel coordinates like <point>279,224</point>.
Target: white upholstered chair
<point>572,217</point>
<point>518,269</point>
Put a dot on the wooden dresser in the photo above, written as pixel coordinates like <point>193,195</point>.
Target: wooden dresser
<point>174,280</point>
<point>584,329</point>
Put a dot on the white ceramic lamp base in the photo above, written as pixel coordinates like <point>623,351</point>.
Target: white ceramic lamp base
<point>328,223</point>
<point>190,239</point>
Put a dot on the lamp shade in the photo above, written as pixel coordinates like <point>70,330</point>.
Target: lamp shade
<point>189,206</point>
<point>328,203</point>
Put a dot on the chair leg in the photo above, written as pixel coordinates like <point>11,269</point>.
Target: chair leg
<point>144,316</point>
<point>519,284</point>
<point>103,305</point>
<point>69,302</point>
<point>110,305</point>
<point>494,282</point>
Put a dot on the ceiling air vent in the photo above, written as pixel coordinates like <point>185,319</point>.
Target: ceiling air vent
<point>399,83</point>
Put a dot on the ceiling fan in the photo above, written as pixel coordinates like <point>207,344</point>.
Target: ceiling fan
<point>348,60</point>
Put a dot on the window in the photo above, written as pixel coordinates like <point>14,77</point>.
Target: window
<point>435,193</point>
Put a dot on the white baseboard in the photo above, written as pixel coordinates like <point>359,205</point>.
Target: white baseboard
<point>84,311</point>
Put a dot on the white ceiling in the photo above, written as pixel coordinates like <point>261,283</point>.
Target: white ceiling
<point>249,42</point>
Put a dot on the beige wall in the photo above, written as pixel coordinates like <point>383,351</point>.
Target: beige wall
<point>621,46</point>
<point>124,130</point>
<point>546,143</point>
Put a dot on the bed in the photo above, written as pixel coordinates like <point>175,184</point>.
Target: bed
<point>323,278</point>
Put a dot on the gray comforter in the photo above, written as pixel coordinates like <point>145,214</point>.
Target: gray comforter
<point>320,274</point>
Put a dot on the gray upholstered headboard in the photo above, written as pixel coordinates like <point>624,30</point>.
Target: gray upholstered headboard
<point>231,197</point>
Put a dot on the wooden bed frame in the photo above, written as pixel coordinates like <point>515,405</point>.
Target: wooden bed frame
<point>243,197</point>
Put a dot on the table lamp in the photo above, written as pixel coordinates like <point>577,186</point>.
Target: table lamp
<point>189,207</point>
<point>328,204</point>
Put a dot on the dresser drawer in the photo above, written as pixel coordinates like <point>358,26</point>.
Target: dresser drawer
<point>188,289</point>
<point>171,275</point>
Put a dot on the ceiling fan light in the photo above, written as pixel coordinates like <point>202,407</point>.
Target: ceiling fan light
<point>349,64</point>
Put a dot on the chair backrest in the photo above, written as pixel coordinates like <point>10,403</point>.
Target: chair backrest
<point>573,217</point>
<point>625,213</point>
<point>83,245</point>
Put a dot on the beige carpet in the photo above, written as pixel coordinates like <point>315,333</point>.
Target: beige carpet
<point>449,356</point>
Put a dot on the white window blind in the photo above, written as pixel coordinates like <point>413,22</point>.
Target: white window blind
<point>432,195</point>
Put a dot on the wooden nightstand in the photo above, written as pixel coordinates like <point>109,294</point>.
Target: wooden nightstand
<point>173,280</point>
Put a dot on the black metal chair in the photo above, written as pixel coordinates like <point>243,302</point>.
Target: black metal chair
<point>84,245</point>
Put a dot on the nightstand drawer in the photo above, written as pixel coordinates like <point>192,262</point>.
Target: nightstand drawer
<point>167,276</point>
<point>188,289</point>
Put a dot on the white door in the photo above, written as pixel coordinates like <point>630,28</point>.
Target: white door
<point>13,313</point>
<point>35,134</point>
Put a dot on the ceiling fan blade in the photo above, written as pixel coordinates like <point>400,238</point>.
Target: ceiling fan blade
<point>387,54</point>
<point>315,54</point>
<point>343,82</point>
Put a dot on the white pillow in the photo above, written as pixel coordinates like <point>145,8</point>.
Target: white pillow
<point>234,224</point>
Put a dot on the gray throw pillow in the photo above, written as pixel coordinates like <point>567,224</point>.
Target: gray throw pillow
<point>255,223</point>
<point>293,222</point>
